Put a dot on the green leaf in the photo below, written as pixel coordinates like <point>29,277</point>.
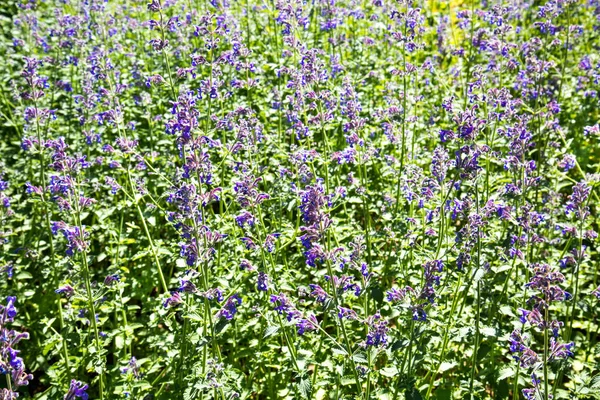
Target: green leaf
<point>507,310</point>
<point>339,352</point>
<point>271,331</point>
<point>50,344</point>
<point>348,380</point>
<point>194,317</point>
<point>413,394</point>
<point>221,326</point>
<point>291,205</point>
<point>305,388</point>
<point>443,394</point>
<point>445,366</point>
<point>390,372</point>
<point>360,358</point>
<point>505,373</point>
<point>478,275</point>
<point>488,331</point>
<point>119,342</point>
<point>23,275</point>
<point>595,382</point>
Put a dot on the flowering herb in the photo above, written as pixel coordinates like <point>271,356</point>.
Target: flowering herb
<point>299,199</point>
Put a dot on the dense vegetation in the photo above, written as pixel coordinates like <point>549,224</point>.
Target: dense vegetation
<point>325,199</point>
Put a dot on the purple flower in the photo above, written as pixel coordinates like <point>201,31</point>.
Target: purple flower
<point>529,358</point>
<point>190,252</point>
<point>347,313</point>
<point>133,368</point>
<point>431,279</point>
<point>173,301</point>
<point>245,218</point>
<point>9,268</point>
<point>247,265</point>
<point>10,363</point>
<point>312,201</point>
<point>418,313</point>
<point>11,311</point>
<point>77,390</point>
<point>545,280</point>
<point>154,6</point>
<point>567,163</point>
<point>110,279</point>
<point>378,329</point>
<point>560,350</point>
<point>439,164</point>
<point>114,186</point>
<point>249,243</point>
<point>534,317</point>
<point>516,342</point>
<point>270,241</point>
<point>67,290</point>
<point>318,293</point>
<point>446,135</point>
<point>315,255</point>
<point>284,306</point>
<point>592,130</point>
<point>307,324</point>
<point>395,295</point>
<point>263,282</point>
<point>187,286</point>
<point>213,294</point>
<point>75,237</point>
<point>230,307</point>
<point>577,203</point>
<point>530,393</point>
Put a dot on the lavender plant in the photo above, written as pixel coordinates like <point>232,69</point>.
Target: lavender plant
<point>299,199</point>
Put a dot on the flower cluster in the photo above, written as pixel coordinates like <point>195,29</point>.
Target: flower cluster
<point>280,199</point>
<point>544,282</point>
<point>11,364</point>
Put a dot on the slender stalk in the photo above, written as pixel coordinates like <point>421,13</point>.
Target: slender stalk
<point>88,289</point>
<point>449,325</point>
<point>476,345</point>
<point>546,393</point>
<point>341,324</point>
<point>164,53</point>
<point>46,213</point>
<point>161,276</point>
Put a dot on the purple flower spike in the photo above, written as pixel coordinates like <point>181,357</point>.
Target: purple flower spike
<point>77,390</point>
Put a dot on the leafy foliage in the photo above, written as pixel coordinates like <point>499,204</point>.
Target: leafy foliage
<point>304,200</point>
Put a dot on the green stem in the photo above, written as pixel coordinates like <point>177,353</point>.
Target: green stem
<point>449,325</point>
<point>161,276</point>
<point>546,355</point>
